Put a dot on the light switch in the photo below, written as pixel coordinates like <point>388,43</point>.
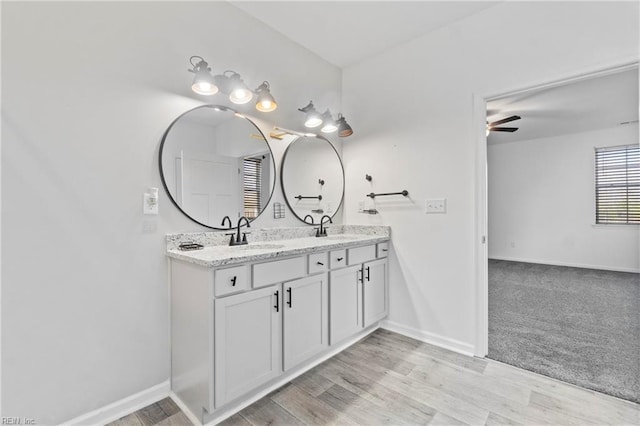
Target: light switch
<point>435,205</point>
<point>150,201</point>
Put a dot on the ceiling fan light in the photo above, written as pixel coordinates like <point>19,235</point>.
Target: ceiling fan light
<point>344,130</point>
<point>265,101</point>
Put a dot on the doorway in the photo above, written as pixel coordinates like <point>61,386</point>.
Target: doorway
<point>560,288</point>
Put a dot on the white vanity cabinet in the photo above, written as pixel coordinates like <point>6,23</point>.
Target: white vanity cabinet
<point>247,337</point>
<point>239,329</point>
<point>358,293</point>
<point>306,319</point>
<point>259,333</point>
<point>346,303</point>
<point>374,291</point>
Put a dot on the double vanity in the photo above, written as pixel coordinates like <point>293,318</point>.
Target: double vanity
<point>248,317</point>
<point>245,318</point>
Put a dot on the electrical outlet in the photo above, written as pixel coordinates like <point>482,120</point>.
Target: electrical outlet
<point>435,205</point>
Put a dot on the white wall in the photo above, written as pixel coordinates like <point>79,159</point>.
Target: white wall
<point>542,203</point>
<point>411,108</point>
<point>88,90</point>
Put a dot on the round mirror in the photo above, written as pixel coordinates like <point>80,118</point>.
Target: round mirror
<point>215,163</point>
<point>312,178</point>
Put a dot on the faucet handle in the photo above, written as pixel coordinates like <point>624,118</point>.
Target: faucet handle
<point>231,241</point>
<point>244,236</point>
<point>317,232</point>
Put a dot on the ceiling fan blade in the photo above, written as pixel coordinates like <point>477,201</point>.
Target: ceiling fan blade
<point>505,120</point>
<point>503,129</point>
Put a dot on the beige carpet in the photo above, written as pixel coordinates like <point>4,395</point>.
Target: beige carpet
<point>578,325</point>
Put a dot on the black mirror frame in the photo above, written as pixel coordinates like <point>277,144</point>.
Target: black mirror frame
<point>164,183</point>
<point>284,192</point>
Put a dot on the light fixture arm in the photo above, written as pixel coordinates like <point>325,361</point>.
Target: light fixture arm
<point>200,65</point>
<point>307,108</point>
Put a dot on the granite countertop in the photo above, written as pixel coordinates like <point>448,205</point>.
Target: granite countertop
<point>220,255</point>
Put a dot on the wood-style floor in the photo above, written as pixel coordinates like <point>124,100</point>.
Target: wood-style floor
<point>391,379</point>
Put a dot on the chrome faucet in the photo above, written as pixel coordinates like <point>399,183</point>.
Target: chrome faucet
<point>226,219</point>
<point>310,217</point>
<point>322,231</point>
<point>238,241</point>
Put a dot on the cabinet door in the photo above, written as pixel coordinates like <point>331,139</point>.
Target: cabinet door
<point>345,299</point>
<point>305,315</point>
<point>247,342</point>
<point>374,291</point>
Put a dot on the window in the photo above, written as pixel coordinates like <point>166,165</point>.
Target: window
<point>252,184</point>
<point>618,185</point>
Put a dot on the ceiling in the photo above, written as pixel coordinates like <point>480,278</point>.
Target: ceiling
<point>582,106</point>
<point>346,32</point>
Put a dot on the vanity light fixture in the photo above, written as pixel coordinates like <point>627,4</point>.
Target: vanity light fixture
<point>203,80</point>
<point>344,129</point>
<point>230,83</point>
<point>265,101</point>
<point>313,119</point>
<point>329,125</point>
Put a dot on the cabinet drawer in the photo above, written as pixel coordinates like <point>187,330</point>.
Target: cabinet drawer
<point>337,259</point>
<point>361,254</point>
<point>279,271</point>
<point>382,250</point>
<point>231,280</point>
<point>318,262</point>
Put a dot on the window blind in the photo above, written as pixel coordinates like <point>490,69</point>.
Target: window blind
<point>618,185</point>
<point>252,184</point>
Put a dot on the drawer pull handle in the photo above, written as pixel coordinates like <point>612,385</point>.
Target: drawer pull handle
<point>340,259</point>
<point>233,281</point>
<point>320,263</point>
<point>360,274</point>
<point>385,250</point>
<point>277,305</point>
<point>289,301</point>
<point>368,277</point>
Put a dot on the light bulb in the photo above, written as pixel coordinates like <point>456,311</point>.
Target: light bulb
<point>204,88</point>
<point>265,102</point>
<point>240,96</point>
<point>202,81</point>
<point>313,121</point>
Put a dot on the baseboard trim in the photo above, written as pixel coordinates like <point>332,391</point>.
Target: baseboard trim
<point>428,337</point>
<point>194,419</point>
<point>121,408</point>
<point>569,264</point>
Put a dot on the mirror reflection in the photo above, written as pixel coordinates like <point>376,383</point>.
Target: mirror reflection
<point>312,178</point>
<point>216,163</point>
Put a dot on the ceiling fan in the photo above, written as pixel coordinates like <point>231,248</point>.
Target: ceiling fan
<point>492,127</point>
